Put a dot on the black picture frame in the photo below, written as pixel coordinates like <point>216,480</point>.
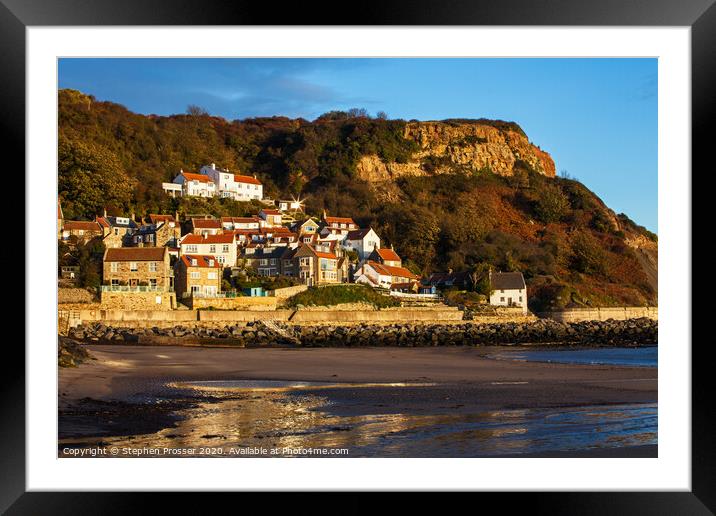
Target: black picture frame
<point>700,15</point>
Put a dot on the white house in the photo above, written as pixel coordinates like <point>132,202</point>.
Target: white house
<point>221,246</point>
<point>234,186</point>
<point>508,289</point>
<point>292,205</point>
<point>270,218</point>
<point>378,275</point>
<point>196,185</point>
<point>244,223</point>
<point>363,241</point>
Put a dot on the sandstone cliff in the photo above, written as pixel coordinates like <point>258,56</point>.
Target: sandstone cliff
<point>444,147</point>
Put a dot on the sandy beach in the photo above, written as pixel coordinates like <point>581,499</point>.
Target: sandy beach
<point>462,382</point>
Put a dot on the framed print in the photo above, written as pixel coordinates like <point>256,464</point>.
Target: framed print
<point>416,252</point>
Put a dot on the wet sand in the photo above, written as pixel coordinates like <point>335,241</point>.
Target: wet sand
<point>467,382</point>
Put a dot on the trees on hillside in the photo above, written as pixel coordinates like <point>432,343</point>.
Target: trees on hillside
<point>90,178</point>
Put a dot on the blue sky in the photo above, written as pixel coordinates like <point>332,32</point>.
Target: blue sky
<point>596,117</point>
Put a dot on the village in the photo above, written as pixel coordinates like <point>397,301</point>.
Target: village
<point>161,262</point>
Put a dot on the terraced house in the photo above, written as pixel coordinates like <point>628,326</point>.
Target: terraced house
<point>317,267</point>
<point>137,267</point>
<point>223,247</point>
<point>161,230</point>
<point>197,276</point>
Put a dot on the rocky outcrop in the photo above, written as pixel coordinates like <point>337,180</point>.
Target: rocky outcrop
<point>71,353</point>
<point>632,332</point>
<point>444,147</point>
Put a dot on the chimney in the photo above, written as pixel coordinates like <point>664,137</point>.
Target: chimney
<point>104,213</point>
<point>213,166</point>
<point>324,214</point>
<point>449,271</point>
<point>176,215</point>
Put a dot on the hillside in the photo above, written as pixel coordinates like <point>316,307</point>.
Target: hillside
<point>454,194</point>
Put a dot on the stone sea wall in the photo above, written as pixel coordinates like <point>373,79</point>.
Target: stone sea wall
<point>602,314</point>
<point>74,296</point>
<point>633,332</point>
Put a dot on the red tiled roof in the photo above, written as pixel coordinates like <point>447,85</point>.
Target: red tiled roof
<point>85,225</point>
<point>246,179</point>
<point>330,256</point>
<point>388,255</point>
<point>202,260</point>
<point>341,220</point>
<point>239,220</point>
<point>389,270</point>
<point>206,223</point>
<point>276,231</point>
<point>197,177</point>
<point>271,212</point>
<point>224,238</point>
<point>103,222</point>
<point>135,254</point>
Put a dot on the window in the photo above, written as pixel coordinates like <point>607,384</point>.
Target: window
<point>115,282</point>
<point>195,289</point>
<point>221,259</point>
<point>225,248</point>
<point>263,262</point>
<point>152,282</point>
<point>133,266</point>
<point>195,275</point>
<point>273,261</point>
<point>113,266</point>
<point>212,249</point>
<point>191,249</point>
<point>194,262</point>
<point>502,299</point>
<point>211,275</point>
<point>520,299</point>
<point>153,267</point>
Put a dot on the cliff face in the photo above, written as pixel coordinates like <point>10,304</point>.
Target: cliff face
<point>471,146</point>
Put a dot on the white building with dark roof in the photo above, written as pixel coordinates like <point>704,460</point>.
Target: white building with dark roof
<point>363,241</point>
<point>508,289</point>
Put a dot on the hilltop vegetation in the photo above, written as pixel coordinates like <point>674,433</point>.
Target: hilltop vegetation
<point>573,250</point>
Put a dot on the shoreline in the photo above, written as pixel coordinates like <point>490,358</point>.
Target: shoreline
<point>126,391</point>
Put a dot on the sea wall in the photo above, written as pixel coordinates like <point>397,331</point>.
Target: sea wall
<point>168,318</point>
<point>620,313</point>
<point>389,315</point>
<point>74,296</point>
<point>283,293</point>
<point>234,303</point>
<point>545,332</point>
<point>138,300</point>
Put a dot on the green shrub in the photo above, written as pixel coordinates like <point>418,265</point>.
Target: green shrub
<point>551,205</point>
<point>332,295</point>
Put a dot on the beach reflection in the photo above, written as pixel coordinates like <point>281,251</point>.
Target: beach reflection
<point>280,417</point>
